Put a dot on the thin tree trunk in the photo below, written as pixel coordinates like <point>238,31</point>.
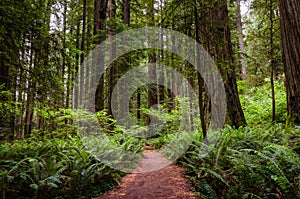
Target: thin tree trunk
<point>138,113</point>
<point>20,106</point>
<point>99,19</point>
<point>30,100</point>
<point>76,87</point>
<point>126,12</point>
<point>64,50</point>
<point>82,48</point>
<point>152,88</point>
<point>70,77</point>
<point>161,77</point>
<point>272,64</point>
<point>123,67</point>
<point>112,54</point>
<point>200,79</point>
<point>241,39</point>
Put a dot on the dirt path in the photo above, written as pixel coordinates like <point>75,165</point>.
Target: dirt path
<point>147,182</point>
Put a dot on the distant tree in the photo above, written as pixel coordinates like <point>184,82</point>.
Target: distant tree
<point>239,25</point>
<point>100,16</point>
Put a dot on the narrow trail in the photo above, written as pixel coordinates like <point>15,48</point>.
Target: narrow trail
<point>153,179</point>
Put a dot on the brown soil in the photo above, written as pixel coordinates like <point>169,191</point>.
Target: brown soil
<point>167,182</point>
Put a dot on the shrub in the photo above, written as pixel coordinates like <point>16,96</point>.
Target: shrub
<point>52,168</point>
<point>246,163</point>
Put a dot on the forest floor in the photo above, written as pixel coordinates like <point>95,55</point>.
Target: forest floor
<point>153,178</point>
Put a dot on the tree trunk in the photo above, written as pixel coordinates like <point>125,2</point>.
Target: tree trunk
<point>82,48</point>
<point>220,48</point>
<point>30,99</point>
<point>123,67</point>
<point>290,32</point>
<point>99,19</point>
<point>152,91</point>
<point>76,87</point>
<point>241,39</point>
<point>126,12</point>
<point>152,88</point>
<point>271,60</point>
<point>138,113</point>
<point>200,79</point>
<point>63,53</point>
<point>112,54</point>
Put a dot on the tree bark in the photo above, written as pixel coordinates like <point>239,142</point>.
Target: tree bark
<point>100,16</point>
<point>200,80</point>
<point>30,99</point>
<point>126,12</point>
<point>123,67</point>
<point>112,52</point>
<point>271,60</point>
<point>82,48</point>
<point>76,87</point>
<point>241,39</point>
<point>152,88</point>
<point>290,33</point>
<point>220,48</point>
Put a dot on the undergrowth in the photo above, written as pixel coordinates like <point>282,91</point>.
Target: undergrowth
<point>258,161</point>
<point>246,163</point>
<point>59,165</point>
<point>257,103</point>
<point>52,168</point>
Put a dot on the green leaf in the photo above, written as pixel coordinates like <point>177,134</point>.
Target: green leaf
<point>34,186</point>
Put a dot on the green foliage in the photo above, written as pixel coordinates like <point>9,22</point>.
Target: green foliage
<point>170,124</point>
<point>257,104</point>
<point>52,168</point>
<point>257,40</point>
<point>158,142</point>
<point>258,161</point>
<point>166,122</point>
<point>246,163</point>
<point>59,163</point>
<point>7,112</point>
<point>56,123</point>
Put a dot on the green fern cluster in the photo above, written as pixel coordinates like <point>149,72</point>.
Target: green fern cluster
<point>256,163</point>
<point>52,168</point>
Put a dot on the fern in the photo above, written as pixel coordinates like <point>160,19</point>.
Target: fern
<point>246,165</point>
<point>213,173</point>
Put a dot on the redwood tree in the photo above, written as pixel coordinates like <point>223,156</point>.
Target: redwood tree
<point>218,43</point>
<point>100,16</point>
<point>290,32</point>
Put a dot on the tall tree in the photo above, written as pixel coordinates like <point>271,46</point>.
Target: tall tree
<point>82,48</point>
<point>100,16</point>
<point>126,59</point>
<point>239,25</point>
<point>290,32</point>
<point>200,79</point>
<point>12,29</point>
<point>152,88</point>
<point>126,12</point>
<point>271,59</point>
<point>112,53</point>
<point>220,48</point>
